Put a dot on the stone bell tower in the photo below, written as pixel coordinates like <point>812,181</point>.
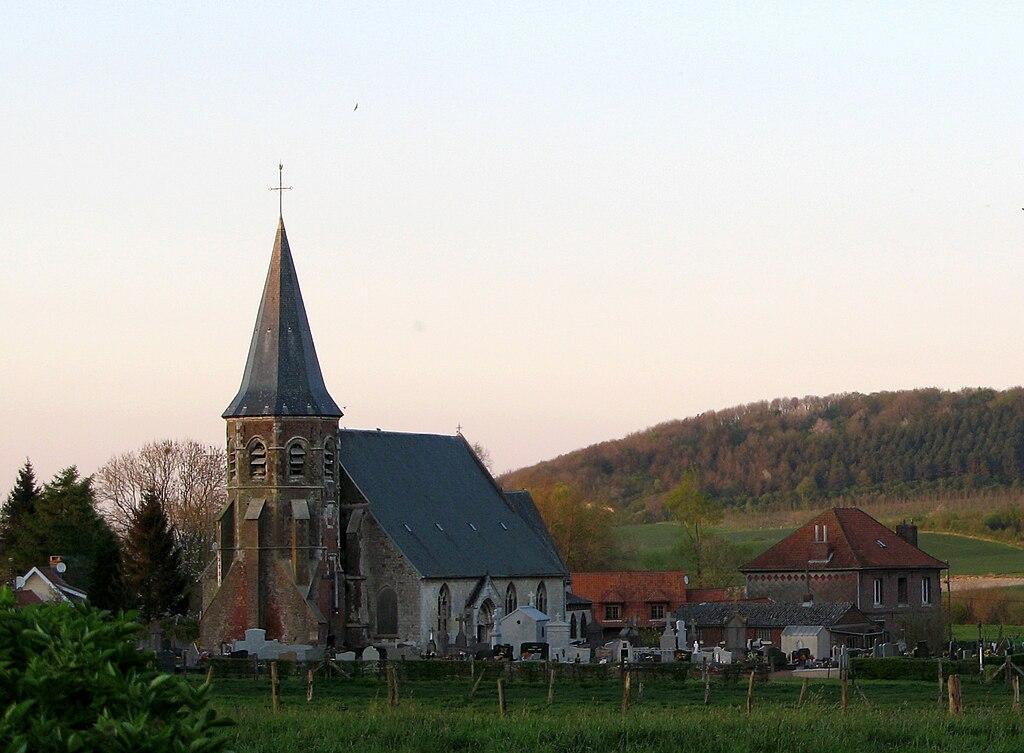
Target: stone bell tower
<point>279,561</point>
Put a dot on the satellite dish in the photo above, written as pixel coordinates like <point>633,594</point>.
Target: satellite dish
<point>61,567</point>
<point>686,580</point>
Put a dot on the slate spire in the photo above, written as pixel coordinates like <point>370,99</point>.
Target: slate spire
<point>282,374</point>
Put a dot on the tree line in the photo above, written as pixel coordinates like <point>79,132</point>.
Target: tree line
<point>135,535</point>
<point>802,451</point>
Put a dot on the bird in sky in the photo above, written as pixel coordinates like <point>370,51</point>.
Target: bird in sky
<point>356,107</point>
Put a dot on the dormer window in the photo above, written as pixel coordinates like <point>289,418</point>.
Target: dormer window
<point>881,543</point>
<point>296,460</point>
<point>258,460</point>
<point>820,533</point>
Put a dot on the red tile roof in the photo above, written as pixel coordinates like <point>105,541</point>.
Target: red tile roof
<point>855,541</point>
<point>621,586</point>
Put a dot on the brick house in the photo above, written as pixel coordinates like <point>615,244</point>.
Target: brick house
<point>621,598</point>
<point>845,555</point>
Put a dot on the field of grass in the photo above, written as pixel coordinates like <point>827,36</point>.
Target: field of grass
<point>655,545</point>
<point>352,715</point>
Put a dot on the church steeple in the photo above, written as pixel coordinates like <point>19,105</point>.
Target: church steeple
<point>282,374</point>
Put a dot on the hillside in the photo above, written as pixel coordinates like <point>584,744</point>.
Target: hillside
<point>806,451</point>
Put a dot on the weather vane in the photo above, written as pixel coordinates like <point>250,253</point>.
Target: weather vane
<point>280,188</point>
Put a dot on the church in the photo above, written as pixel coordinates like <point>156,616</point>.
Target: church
<point>343,538</point>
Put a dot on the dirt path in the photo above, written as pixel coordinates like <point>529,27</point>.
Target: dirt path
<point>974,582</point>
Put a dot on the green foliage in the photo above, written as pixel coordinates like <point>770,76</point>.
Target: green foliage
<point>65,521</point>
<point>695,512</point>
<point>19,507</point>
<point>907,668</point>
<point>71,680</point>
<point>795,452</point>
<point>153,572</point>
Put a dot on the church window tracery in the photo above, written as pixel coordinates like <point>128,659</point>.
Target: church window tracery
<point>511,600</point>
<point>542,598</point>
<point>444,608</point>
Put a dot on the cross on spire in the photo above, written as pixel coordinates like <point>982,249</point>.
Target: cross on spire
<point>280,188</point>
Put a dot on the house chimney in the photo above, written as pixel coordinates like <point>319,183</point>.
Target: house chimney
<point>54,560</point>
<point>907,532</point>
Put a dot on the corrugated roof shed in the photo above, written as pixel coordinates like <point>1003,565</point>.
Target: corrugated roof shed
<point>763,615</point>
<point>442,509</point>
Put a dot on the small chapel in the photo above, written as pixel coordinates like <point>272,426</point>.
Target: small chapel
<point>345,538</point>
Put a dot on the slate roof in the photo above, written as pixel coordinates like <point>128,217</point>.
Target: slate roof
<point>282,374</point>
<point>759,614</point>
<point>523,504</point>
<point>852,544</point>
<point>440,506</point>
<point>576,601</point>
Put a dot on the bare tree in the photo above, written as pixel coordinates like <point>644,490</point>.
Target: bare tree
<point>188,478</point>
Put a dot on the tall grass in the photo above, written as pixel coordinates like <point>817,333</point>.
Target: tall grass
<point>353,716</point>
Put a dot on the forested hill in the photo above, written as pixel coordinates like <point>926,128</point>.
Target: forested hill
<point>806,449</point>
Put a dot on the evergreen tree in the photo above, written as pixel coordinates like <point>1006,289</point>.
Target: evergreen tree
<point>153,572</point>
<point>19,507</point>
<point>65,522</point>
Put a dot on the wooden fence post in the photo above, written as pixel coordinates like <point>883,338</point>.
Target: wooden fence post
<point>392,687</point>
<point>625,693</point>
<point>1016,692</point>
<point>844,687</point>
<point>209,675</point>
<point>502,708</point>
<point>750,692</point>
<point>803,692</point>
<point>551,687</point>
<point>273,686</point>
<point>955,700</point>
<point>939,696</point>
<point>707,682</point>
<point>476,683</point>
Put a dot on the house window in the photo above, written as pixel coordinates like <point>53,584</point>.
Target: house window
<point>258,460</point>
<point>902,595</point>
<point>444,608</point>
<point>296,460</point>
<point>613,611</point>
<point>879,592</point>
<point>764,634</point>
<point>542,598</point>
<point>926,590</point>
<point>511,600</point>
<point>387,612</point>
<point>657,611</point>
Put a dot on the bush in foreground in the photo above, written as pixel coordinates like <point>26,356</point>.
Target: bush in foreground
<point>72,680</point>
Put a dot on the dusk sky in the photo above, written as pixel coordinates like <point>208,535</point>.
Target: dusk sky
<point>551,223</point>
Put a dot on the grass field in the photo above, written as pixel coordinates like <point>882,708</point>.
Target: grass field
<point>352,715</point>
<point>654,545</point>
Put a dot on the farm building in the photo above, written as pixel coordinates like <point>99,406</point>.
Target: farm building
<point>737,623</point>
<point>845,555</point>
<point>343,538</point>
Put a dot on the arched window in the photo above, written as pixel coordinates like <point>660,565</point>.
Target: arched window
<point>542,598</point>
<point>511,601</point>
<point>296,460</point>
<point>583,626</point>
<point>444,609</point>
<point>387,612</point>
<point>485,623</point>
<point>257,459</point>
<point>572,626</point>
<point>329,460</point>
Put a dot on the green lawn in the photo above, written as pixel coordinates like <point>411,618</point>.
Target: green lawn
<point>352,715</point>
<point>655,546</point>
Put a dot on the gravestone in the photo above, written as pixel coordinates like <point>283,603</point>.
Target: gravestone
<point>371,654</point>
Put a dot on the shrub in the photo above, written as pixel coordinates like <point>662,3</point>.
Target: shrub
<point>72,680</point>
